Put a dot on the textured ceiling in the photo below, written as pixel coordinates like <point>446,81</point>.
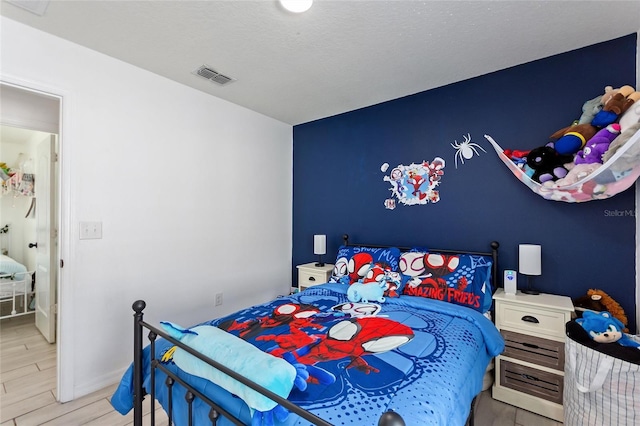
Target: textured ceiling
<point>338,56</point>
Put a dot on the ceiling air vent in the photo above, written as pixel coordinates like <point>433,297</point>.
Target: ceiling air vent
<point>213,75</point>
<point>39,7</point>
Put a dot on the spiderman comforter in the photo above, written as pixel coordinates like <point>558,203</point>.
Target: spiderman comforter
<point>422,358</point>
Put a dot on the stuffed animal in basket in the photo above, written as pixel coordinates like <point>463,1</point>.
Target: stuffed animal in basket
<point>605,328</point>
<point>547,164</point>
<point>595,148</point>
<point>598,300</point>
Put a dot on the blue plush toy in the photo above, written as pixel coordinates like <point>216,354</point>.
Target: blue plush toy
<point>370,292</point>
<point>605,328</point>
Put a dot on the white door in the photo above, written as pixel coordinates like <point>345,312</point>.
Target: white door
<point>46,276</point>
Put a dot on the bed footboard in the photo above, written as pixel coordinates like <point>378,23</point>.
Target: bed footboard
<point>16,289</point>
<point>215,411</point>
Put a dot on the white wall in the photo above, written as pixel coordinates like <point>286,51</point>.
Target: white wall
<point>194,194</point>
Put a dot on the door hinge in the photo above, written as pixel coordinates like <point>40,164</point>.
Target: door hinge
<point>54,158</point>
<point>61,263</point>
<point>54,308</point>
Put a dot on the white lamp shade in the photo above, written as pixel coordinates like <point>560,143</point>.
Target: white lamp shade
<point>319,244</point>
<point>296,6</point>
<point>530,259</point>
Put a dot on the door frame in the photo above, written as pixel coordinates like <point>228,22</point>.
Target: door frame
<point>64,331</point>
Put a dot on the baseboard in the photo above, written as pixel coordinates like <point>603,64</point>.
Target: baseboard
<point>98,383</point>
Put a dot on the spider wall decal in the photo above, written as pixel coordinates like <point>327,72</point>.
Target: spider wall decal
<point>465,149</point>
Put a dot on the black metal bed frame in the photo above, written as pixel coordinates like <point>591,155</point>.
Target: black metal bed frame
<point>388,418</point>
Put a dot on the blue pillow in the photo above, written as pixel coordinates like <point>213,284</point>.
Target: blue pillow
<point>460,279</point>
<point>353,262</point>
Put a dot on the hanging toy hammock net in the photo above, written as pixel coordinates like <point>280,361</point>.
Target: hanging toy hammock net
<point>617,174</point>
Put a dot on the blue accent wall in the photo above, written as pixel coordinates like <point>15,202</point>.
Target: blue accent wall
<point>338,184</point>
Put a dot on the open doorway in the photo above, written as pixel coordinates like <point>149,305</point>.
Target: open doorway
<point>29,206</point>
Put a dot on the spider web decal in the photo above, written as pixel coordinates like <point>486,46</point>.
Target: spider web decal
<point>414,184</point>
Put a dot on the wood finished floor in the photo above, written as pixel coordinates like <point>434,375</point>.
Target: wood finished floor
<point>28,386</point>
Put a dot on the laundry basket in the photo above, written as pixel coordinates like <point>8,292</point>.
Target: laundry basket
<point>601,383</point>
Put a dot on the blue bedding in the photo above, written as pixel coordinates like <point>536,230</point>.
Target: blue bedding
<point>422,358</point>
<point>10,267</point>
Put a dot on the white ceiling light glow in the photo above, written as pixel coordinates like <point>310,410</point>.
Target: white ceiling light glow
<point>296,6</point>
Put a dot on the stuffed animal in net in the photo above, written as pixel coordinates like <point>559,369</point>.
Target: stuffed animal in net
<point>626,162</point>
<point>603,327</point>
<point>632,115</point>
<point>593,106</point>
<point>571,139</point>
<point>615,106</point>
<point>595,148</point>
<point>598,300</point>
<point>576,173</point>
<point>546,164</point>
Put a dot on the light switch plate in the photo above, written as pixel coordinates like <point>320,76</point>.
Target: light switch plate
<point>90,230</point>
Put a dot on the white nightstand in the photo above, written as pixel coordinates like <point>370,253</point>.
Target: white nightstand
<point>530,371</point>
<point>309,274</point>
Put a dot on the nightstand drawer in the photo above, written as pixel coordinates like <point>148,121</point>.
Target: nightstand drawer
<point>531,381</point>
<point>311,274</point>
<point>307,278</point>
<point>543,352</point>
<point>531,319</point>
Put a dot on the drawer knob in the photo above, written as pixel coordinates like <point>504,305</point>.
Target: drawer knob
<point>528,377</point>
<point>530,345</point>
<point>529,318</point>
<point>312,278</point>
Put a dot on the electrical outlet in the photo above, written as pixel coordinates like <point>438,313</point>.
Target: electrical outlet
<point>218,299</point>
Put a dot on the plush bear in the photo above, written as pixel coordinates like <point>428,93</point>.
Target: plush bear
<point>605,328</point>
<point>598,300</point>
<point>597,145</point>
<point>615,106</point>
<point>547,164</point>
<point>570,140</point>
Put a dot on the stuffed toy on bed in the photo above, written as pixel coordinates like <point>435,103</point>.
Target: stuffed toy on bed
<point>369,292</point>
<point>605,328</point>
<point>243,358</point>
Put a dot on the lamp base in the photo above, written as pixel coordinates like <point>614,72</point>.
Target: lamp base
<point>529,289</point>
<point>320,262</point>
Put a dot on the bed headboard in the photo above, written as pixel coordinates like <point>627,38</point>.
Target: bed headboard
<point>495,282</point>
